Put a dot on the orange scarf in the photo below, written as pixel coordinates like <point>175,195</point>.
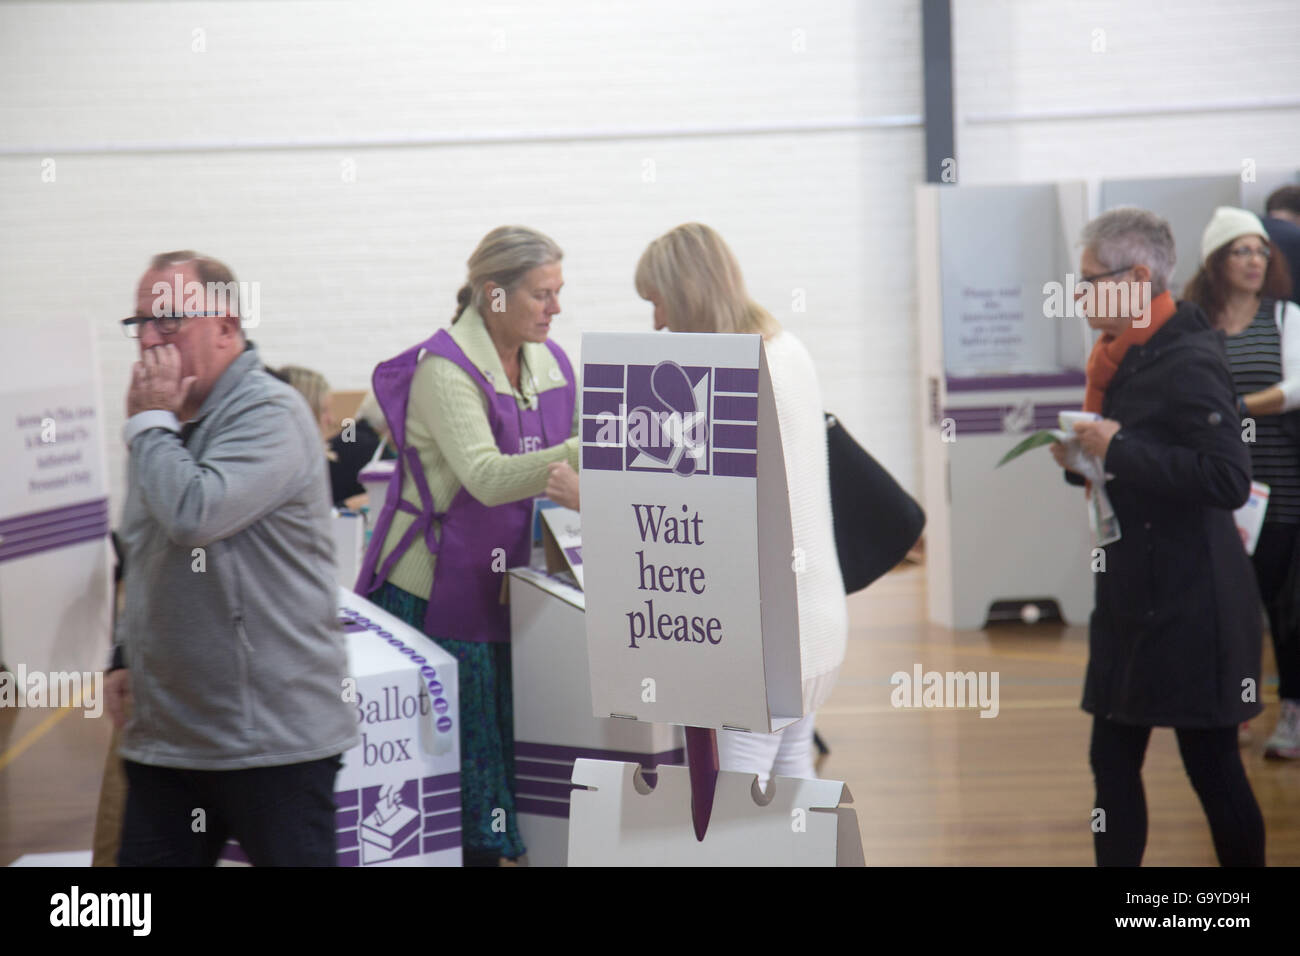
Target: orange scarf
<point>1108,351</point>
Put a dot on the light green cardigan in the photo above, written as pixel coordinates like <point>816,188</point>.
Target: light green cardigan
<point>447,424</point>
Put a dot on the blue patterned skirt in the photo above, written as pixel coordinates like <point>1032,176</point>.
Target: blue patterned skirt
<point>487,731</point>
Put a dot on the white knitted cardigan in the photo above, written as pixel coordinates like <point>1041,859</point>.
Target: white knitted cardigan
<point>823,615</point>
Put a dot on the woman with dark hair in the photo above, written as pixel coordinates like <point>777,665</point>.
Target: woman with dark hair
<point>1243,285</point>
<point>476,412</point>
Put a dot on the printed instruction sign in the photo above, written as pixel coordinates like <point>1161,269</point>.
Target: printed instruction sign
<point>686,526</point>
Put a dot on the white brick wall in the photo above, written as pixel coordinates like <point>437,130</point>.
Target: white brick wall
<point>353,272</point>
<point>1175,59</point>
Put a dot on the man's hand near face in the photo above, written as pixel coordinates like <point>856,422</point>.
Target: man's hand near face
<point>156,382</point>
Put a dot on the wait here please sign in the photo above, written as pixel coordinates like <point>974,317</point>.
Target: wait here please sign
<point>681,456</point>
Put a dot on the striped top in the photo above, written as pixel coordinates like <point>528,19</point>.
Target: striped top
<point>1255,357</point>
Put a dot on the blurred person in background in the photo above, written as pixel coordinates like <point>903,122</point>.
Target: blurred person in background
<point>1243,285</point>
<point>1174,637</point>
<point>1282,220</point>
<point>476,412</point>
<point>354,447</point>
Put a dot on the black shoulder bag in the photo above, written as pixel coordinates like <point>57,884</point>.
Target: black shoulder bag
<point>876,521</point>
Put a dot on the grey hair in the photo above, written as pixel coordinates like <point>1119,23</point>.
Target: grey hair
<point>505,255</point>
<point>1128,236</point>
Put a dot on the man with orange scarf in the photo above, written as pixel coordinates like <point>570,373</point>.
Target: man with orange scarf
<point>1175,635</point>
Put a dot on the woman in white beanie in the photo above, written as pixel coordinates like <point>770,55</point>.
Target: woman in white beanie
<point>1243,285</point>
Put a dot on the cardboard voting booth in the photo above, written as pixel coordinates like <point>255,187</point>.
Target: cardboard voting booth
<point>682,461</point>
<point>55,555</point>
<point>398,793</point>
<point>692,607</point>
<point>998,363</point>
<point>554,726</point>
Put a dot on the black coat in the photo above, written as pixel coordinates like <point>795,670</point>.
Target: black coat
<point>1177,624</point>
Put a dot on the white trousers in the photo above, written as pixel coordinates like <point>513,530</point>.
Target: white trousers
<point>787,753</point>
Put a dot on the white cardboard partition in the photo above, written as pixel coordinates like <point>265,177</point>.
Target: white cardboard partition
<point>994,368</point>
<point>55,555</point>
<point>554,725</point>
<point>803,823</point>
<point>349,531</point>
<point>683,489</point>
<point>398,793</point>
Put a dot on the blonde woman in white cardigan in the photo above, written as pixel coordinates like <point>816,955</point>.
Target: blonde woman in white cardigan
<point>694,282</point>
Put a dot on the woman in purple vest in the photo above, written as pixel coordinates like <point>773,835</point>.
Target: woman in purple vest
<point>477,412</point>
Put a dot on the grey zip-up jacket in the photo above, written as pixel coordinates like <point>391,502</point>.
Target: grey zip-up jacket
<point>230,626</point>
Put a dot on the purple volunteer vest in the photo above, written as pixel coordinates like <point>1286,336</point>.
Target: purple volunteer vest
<point>465,604</point>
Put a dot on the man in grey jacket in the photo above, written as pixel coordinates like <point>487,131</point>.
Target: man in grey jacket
<point>228,661</point>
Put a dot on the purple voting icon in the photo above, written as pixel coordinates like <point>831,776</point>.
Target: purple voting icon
<point>666,424</point>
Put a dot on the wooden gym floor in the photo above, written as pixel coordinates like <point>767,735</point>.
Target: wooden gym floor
<point>932,787</point>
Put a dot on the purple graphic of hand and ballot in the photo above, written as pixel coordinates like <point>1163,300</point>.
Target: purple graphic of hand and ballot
<point>686,420</point>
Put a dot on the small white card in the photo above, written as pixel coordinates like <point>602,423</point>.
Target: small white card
<point>562,537</point>
<point>1250,516</point>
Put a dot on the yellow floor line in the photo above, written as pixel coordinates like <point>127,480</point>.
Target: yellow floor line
<point>33,735</point>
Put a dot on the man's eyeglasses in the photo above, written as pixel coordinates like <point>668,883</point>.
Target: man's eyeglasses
<point>165,324</point>
<point>1104,275</point>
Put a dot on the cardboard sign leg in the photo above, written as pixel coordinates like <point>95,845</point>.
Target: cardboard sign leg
<point>702,760</point>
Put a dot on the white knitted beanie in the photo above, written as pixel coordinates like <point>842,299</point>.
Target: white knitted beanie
<point>1228,224</point>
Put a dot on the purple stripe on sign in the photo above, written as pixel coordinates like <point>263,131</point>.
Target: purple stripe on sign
<point>441,841</point>
<point>544,788</point>
<point>564,752</point>
<point>602,459</point>
<point>351,627</point>
<point>996,383</point>
<point>96,506</point>
<point>534,768</point>
<point>735,380</point>
<point>596,403</point>
<point>736,436</point>
<point>350,858</point>
<point>60,525</point>
<point>542,808</point>
<point>735,465</point>
<point>345,818</point>
<point>574,555</point>
<point>444,781</point>
<point>66,539</point>
<point>441,801</point>
<point>346,839</point>
<point>347,798</point>
<point>989,419</point>
<point>602,429</point>
<point>602,376</point>
<point>736,408</point>
<point>33,537</point>
<point>437,822</point>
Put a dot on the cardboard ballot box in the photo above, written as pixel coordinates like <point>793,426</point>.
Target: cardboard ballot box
<point>554,726</point>
<point>682,464</point>
<point>398,793</point>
